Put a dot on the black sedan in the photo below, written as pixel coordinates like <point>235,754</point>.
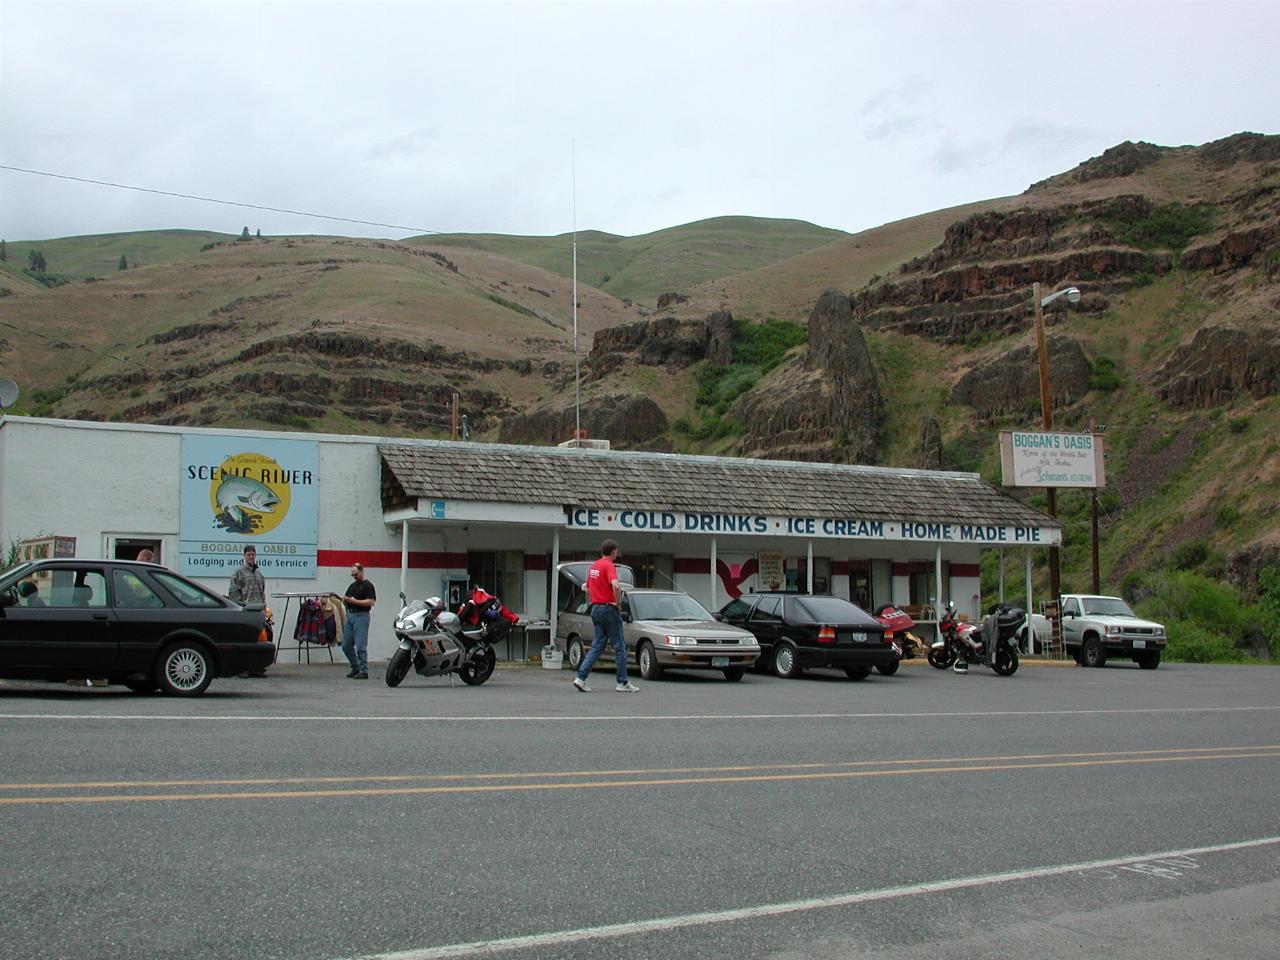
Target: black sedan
<point>134,623</point>
<point>802,630</point>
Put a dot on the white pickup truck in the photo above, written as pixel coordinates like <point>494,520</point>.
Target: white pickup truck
<point>1095,628</point>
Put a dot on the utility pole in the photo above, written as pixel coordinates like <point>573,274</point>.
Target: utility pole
<point>1094,583</point>
<point>1047,424</point>
<point>455,417</point>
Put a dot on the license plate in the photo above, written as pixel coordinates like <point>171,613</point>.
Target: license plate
<point>719,661</point>
<point>1139,644</point>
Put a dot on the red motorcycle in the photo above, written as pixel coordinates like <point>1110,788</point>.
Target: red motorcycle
<point>897,630</point>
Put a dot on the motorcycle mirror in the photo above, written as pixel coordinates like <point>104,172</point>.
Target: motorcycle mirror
<point>402,597</point>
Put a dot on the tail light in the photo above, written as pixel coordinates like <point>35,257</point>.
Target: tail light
<point>826,634</point>
<point>263,636</point>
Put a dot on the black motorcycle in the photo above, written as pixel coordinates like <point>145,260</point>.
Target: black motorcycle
<point>435,642</point>
<point>960,644</point>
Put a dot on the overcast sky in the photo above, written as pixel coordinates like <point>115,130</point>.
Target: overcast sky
<point>460,116</point>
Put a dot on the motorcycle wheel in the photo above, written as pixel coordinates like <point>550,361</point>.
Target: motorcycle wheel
<point>1006,664</point>
<point>941,659</point>
<point>478,668</point>
<point>398,667</point>
<point>888,669</point>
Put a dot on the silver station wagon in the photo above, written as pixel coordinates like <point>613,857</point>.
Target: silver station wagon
<point>663,629</point>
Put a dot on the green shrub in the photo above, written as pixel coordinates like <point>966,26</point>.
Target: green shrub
<point>1192,643</point>
<point>1189,555</point>
<point>1167,227</point>
<point>1226,516</point>
<point>1238,424</point>
<point>763,345</point>
<point>1103,375</point>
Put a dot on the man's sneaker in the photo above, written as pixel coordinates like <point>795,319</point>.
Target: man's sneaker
<point>581,685</point>
<point>627,687</point>
<point>362,675</point>
<point>350,673</point>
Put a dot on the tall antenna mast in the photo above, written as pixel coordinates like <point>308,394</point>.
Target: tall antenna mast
<point>577,364</point>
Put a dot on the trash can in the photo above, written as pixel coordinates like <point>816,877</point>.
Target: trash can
<point>552,658</point>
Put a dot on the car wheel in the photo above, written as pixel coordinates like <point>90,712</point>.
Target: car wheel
<point>890,668</point>
<point>859,672</point>
<point>1149,660</point>
<point>575,652</point>
<point>734,674</point>
<point>398,667</point>
<point>650,669</point>
<point>786,662</point>
<point>1091,652</point>
<point>184,670</point>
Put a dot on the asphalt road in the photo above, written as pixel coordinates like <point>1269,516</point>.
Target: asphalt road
<point>1059,813</point>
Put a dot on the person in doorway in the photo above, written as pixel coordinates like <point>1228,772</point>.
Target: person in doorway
<point>603,587</point>
<point>145,555</point>
<point>358,601</point>
<point>247,586</point>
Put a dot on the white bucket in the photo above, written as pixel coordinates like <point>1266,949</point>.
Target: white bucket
<point>552,658</point>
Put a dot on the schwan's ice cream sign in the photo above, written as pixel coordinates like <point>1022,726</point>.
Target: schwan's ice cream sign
<point>237,491</point>
<point>831,528</point>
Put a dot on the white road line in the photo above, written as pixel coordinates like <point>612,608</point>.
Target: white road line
<point>621,718</point>
<point>482,948</point>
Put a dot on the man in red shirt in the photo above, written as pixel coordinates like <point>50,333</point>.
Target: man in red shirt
<point>602,592</point>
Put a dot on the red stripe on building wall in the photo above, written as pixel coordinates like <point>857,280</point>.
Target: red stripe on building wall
<point>691,565</point>
<point>390,559</point>
<point>534,562</point>
<point>900,569</point>
<point>839,568</point>
<point>966,570</point>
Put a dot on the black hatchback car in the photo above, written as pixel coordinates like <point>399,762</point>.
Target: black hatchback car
<point>803,630</point>
<point>138,624</point>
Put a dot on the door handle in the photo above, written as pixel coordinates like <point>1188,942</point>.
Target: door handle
<point>100,616</point>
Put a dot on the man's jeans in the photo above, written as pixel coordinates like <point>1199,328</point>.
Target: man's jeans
<point>608,623</point>
<point>355,640</point>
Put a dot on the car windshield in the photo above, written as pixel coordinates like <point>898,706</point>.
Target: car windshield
<point>666,606</point>
<point>1107,607</point>
<point>829,610</point>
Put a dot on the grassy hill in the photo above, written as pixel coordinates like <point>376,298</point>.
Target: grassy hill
<point>99,255</point>
<point>640,268</point>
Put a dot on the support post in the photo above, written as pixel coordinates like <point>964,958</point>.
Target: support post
<point>552,614</point>
<point>808,566</point>
<point>1000,554</point>
<point>404,556</point>
<point>714,576</point>
<point>937,582</point>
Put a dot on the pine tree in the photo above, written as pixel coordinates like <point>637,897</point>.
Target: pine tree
<point>4,252</point>
<point>124,263</point>
<point>244,234</point>
<point>37,261</point>
<point>258,232</point>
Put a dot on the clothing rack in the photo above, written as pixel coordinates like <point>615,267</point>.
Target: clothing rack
<point>284,619</point>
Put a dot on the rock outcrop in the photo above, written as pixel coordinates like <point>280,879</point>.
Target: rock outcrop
<point>1009,384</point>
<point>1218,365</point>
<point>627,422</point>
<point>929,454</point>
<point>824,407</point>
<point>659,342</point>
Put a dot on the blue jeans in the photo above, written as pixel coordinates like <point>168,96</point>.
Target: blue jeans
<point>355,640</point>
<point>608,623</point>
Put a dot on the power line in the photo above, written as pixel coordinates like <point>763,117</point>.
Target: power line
<point>229,203</point>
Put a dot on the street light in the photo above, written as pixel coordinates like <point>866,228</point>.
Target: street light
<point>1046,415</point>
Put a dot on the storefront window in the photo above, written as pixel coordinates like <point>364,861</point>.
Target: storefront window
<point>860,590</point>
<point>500,572</point>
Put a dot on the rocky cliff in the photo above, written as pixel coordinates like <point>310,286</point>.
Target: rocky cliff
<point>825,405</point>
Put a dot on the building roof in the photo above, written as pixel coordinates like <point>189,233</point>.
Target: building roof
<point>695,484</point>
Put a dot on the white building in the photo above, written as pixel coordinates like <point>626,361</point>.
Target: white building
<point>425,516</point>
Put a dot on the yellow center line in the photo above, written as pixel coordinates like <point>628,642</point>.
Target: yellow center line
<point>611,784</point>
<point>633,772</point>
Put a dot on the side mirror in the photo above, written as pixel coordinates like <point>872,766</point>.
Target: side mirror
<point>626,616</point>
